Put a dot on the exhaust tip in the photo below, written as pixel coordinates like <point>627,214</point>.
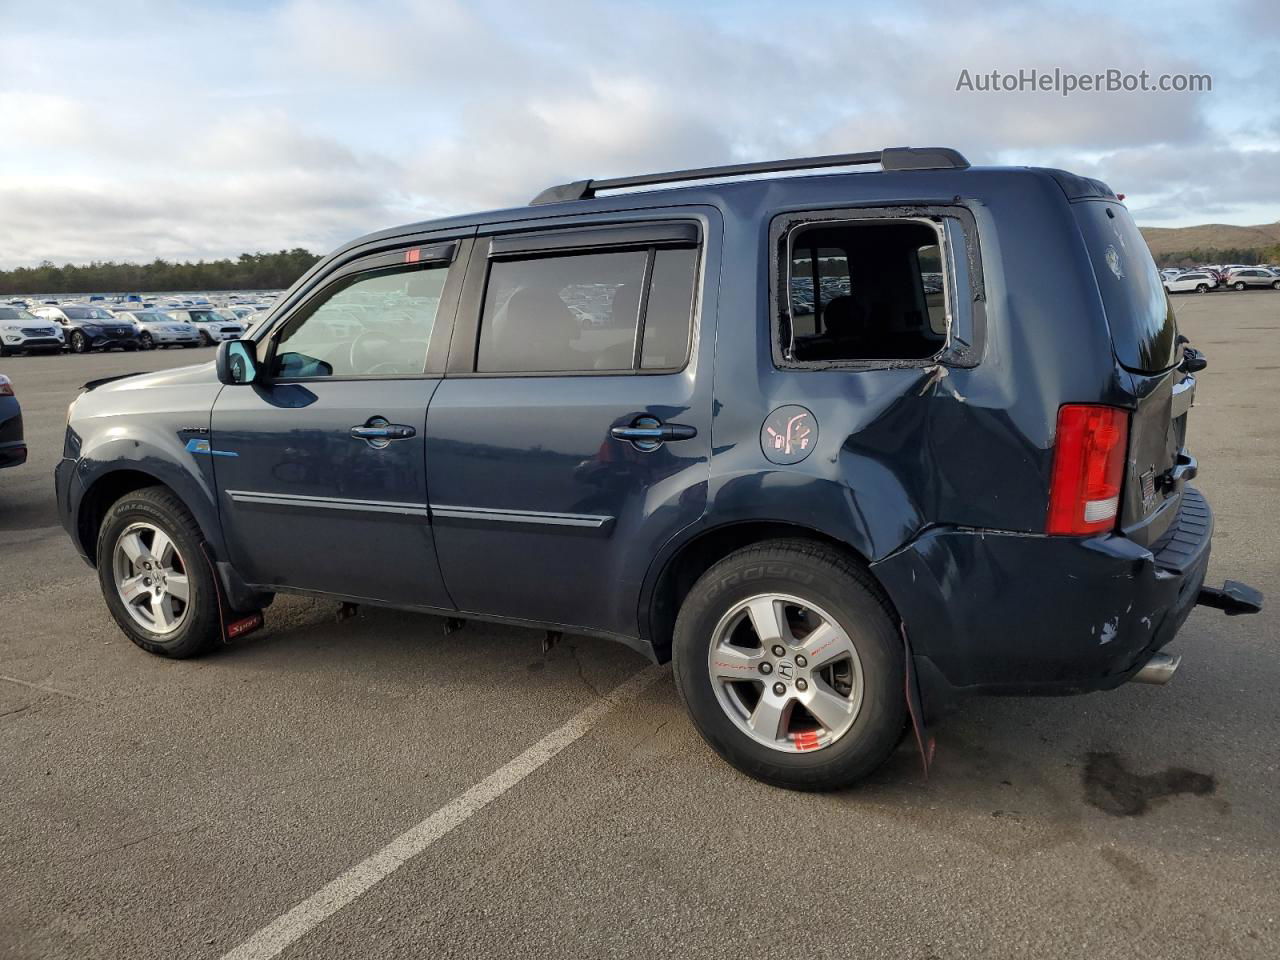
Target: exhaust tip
<point>1158,670</point>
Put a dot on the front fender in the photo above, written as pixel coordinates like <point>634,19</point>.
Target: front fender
<point>157,453</point>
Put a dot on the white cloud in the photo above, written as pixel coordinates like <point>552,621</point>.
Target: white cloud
<point>145,129</point>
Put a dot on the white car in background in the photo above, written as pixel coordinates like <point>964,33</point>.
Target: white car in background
<point>212,326</point>
<point>1198,280</point>
<point>158,329</point>
<point>22,332</point>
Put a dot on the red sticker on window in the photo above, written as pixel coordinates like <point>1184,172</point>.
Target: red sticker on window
<point>412,256</point>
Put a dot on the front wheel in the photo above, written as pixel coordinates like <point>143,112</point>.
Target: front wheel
<point>1276,285</point>
<point>205,339</point>
<point>789,660</point>
<point>154,576</point>
<point>79,343</point>
<point>147,342</point>
<point>1202,288</point>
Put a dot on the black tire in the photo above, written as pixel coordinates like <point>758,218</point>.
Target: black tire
<point>79,342</point>
<point>205,339</point>
<point>4,351</point>
<point>838,584</point>
<point>147,342</point>
<point>1202,288</point>
<point>1276,285</point>
<point>201,629</point>
<point>1239,285</point>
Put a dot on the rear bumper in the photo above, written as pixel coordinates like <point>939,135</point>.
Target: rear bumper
<point>993,612</point>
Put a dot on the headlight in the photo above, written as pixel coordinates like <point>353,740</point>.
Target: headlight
<point>10,328</point>
<point>91,329</point>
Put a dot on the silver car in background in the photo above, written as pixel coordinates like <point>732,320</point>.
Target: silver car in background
<point>158,329</point>
<point>1246,277</point>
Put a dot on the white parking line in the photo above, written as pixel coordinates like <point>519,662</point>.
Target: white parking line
<point>324,903</point>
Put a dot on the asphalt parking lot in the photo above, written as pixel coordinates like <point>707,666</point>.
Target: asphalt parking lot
<point>151,808</point>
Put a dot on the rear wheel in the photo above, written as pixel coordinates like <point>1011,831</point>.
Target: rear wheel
<point>1239,285</point>
<point>154,576</point>
<point>790,663</point>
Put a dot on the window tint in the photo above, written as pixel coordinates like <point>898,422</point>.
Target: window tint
<point>666,321</point>
<point>581,312</point>
<point>374,324</point>
<point>872,290</point>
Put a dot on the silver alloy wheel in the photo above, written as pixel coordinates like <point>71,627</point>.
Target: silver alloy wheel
<point>786,673</point>
<point>151,578</point>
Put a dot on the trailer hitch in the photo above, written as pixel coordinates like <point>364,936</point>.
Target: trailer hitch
<point>1235,598</point>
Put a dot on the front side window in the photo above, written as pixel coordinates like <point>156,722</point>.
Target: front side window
<point>866,290</point>
<point>372,324</point>
<point>587,312</point>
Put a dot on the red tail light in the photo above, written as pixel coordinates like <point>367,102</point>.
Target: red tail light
<point>6,387</point>
<point>1088,469</point>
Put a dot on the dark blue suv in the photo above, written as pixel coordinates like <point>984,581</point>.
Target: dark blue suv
<point>842,445</point>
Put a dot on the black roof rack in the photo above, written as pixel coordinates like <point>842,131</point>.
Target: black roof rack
<point>890,158</point>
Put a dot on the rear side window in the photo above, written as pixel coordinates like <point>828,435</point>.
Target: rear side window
<point>867,290</point>
<point>1143,330</point>
<point>617,311</point>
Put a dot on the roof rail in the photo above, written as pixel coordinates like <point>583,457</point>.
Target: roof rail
<point>890,158</point>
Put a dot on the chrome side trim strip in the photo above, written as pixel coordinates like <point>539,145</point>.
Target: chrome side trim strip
<point>329,503</point>
<point>584,521</point>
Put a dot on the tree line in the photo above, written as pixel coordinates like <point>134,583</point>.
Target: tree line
<point>250,271</point>
<point>1198,255</point>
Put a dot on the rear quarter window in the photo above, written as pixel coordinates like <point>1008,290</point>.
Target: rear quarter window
<point>1139,314</point>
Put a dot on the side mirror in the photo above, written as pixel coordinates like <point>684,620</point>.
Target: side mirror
<point>237,361</point>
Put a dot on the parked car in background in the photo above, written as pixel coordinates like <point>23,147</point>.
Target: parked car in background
<point>1201,281</point>
<point>13,448</point>
<point>1169,273</point>
<point>158,329</point>
<point>1252,277</point>
<point>23,332</point>
<point>88,328</point>
<point>212,326</point>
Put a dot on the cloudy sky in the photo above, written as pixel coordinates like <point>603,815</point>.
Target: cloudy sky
<point>132,129</point>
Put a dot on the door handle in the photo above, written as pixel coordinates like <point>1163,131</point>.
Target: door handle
<point>378,433</point>
<point>646,433</point>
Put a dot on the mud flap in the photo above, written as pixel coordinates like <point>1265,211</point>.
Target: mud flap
<point>234,623</point>
<point>915,707</point>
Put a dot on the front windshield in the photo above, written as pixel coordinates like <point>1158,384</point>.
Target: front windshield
<point>86,313</point>
<point>153,318</point>
<point>13,313</point>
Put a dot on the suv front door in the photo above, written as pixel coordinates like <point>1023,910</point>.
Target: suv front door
<point>571,436</point>
<point>320,465</point>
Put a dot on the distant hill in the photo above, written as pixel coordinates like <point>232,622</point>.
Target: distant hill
<point>1210,242</point>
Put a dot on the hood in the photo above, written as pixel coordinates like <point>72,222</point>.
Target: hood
<point>203,373</point>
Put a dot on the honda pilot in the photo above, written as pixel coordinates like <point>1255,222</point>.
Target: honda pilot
<point>842,445</point>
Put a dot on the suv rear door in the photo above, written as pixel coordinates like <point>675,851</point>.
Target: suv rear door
<point>570,438</point>
<point>320,465</point>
